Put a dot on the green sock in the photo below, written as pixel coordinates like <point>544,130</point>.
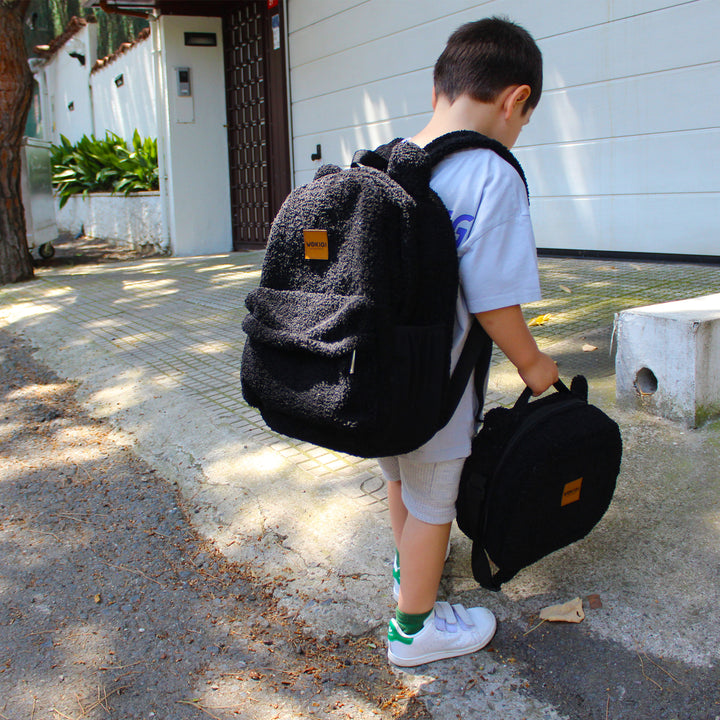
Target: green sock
<point>411,624</point>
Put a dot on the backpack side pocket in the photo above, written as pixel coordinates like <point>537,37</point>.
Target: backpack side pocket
<point>300,357</point>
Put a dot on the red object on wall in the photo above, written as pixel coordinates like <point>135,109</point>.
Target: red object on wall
<point>272,3</point>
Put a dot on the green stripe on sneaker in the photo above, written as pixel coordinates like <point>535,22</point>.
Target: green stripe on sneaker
<point>394,634</point>
<point>396,567</point>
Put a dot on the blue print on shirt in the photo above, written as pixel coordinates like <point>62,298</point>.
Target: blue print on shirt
<point>461,225</point>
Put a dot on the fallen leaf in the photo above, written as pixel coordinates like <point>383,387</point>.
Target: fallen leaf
<point>98,598</point>
<point>589,348</point>
<point>595,602</point>
<point>571,611</point>
<point>539,320</point>
<point>566,289</point>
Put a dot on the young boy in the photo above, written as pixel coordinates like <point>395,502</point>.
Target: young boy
<point>488,79</point>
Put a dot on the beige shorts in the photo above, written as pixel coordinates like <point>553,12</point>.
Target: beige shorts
<point>429,490</point>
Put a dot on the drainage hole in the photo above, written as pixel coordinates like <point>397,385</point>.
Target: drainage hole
<point>645,381</point>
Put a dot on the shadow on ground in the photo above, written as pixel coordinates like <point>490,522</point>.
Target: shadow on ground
<point>111,605</point>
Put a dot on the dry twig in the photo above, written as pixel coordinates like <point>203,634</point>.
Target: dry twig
<point>62,714</point>
<point>197,705</point>
<point>120,667</point>
<point>79,702</point>
<point>127,674</point>
<point>102,700</point>
<point>645,675</point>
<point>532,629</point>
<point>71,517</point>
<point>662,669</point>
<point>44,532</point>
<point>130,570</point>
<point>40,632</point>
<point>641,654</point>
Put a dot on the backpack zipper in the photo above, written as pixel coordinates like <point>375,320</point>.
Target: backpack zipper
<point>352,362</point>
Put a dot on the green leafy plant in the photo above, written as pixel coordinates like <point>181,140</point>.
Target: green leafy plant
<point>104,165</point>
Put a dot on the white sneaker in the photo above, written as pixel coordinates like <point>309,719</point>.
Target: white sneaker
<point>449,631</point>
<point>396,572</point>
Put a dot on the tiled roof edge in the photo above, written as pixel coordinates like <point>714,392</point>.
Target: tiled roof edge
<point>74,26</point>
<point>108,59</point>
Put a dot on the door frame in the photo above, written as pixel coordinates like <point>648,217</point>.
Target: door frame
<point>277,170</point>
<point>279,129</point>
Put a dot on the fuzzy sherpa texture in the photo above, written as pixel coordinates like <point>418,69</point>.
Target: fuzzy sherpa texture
<point>541,475</point>
<point>353,352</point>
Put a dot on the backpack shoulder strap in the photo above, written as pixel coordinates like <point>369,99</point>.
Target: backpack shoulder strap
<point>475,355</point>
<point>453,142</point>
<point>439,149</point>
<point>477,350</point>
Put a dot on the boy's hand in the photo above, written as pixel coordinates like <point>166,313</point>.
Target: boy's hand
<point>507,328</point>
<point>540,374</point>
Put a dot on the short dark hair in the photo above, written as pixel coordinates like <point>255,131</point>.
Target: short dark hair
<point>484,57</point>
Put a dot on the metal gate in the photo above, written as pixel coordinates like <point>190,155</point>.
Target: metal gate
<point>257,121</point>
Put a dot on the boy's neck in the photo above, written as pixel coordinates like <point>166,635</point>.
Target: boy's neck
<point>465,113</point>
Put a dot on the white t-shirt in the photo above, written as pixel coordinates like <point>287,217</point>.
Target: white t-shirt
<point>488,205</point>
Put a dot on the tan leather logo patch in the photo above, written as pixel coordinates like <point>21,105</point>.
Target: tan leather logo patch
<point>571,492</point>
<point>316,245</point>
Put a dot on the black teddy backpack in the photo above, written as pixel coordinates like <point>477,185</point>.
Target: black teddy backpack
<point>349,335</point>
<point>541,476</point>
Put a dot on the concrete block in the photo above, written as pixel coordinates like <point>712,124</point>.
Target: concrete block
<point>668,359</point>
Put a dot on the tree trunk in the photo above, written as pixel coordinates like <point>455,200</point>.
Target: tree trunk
<point>16,85</point>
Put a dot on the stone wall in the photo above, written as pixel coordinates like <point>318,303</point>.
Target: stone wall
<point>134,220</point>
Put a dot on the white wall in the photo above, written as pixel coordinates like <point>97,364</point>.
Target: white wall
<point>621,154</point>
<point>132,221</point>
<point>98,104</point>
<point>67,83</point>
<point>131,106</point>
<point>197,155</point>
<point>191,132</point>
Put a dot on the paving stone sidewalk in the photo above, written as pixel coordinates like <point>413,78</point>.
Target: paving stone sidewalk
<point>180,319</point>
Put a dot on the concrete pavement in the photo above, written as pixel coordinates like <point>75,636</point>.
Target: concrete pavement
<point>155,347</point>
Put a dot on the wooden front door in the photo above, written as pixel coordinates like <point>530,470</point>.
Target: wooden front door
<point>258,131</point>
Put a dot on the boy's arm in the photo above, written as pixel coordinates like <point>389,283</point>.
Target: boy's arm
<point>508,330</point>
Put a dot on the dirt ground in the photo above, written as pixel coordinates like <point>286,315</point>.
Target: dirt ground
<point>111,605</point>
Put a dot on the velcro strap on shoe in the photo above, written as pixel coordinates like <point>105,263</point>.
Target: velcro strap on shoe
<point>463,617</point>
<point>452,618</point>
<point>445,619</point>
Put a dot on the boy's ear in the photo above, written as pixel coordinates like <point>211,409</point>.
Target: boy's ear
<point>434,98</point>
<point>514,96</point>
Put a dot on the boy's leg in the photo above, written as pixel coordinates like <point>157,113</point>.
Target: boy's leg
<point>422,549</point>
<point>398,511</point>
<point>422,545</point>
<point>423,629</point>
<point>420,584</point>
